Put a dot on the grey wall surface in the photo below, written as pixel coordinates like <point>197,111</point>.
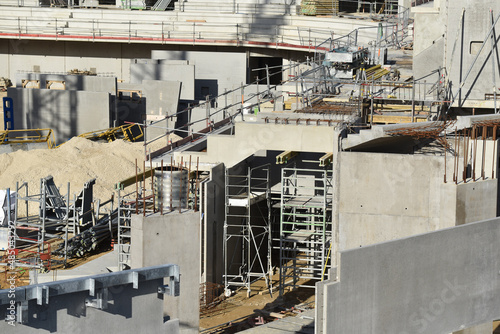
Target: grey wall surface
<point>214,208</point>
<point>438,282</point>
<point>387,196</point>
<point>184,73</point>
<point>431,24</point>
<point>68,113</point>
<point>172,238</point>
<point>162,97</point>
<point>214,70</point>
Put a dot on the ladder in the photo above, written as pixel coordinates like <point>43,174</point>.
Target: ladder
<point>247,231</point>
<point>125,210</point>
<point>305,227</point>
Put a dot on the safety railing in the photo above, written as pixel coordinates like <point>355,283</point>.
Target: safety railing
<point>163,32</point>
<point>25,136</point>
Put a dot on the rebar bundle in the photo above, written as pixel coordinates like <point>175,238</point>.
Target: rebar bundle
<point>91,239</point>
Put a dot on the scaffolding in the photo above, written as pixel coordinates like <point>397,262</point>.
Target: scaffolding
<point>58,216</point>
<point>305,226</point>
<point>247,230</point>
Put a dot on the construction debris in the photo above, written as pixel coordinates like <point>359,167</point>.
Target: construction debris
<point>93,238</point>
<point>5,83</point>
<point>76,71</point>
<point>319,7</point>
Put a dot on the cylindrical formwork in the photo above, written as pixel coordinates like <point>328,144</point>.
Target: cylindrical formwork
<point>171,189</point>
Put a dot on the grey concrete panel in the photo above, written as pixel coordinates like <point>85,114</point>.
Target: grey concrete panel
<point>162,97</point>
<point>174,72</point>
<point>68,113</point>
<point>214,224</point>
<point>172,238</point>
<point>462,43</point>
<point>412,190</point>
<point>438,282</point>
<point>228,69</point>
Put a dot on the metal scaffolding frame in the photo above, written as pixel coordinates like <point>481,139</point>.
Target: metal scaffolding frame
<point>58,216</point>
<point>247,231</point>
<point>305,226</point>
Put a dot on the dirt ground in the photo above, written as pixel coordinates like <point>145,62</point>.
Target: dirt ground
<point>239,312</point>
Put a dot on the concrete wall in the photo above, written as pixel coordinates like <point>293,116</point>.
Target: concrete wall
<point>213,210</point>
<point>476,201</point>
<point>441,40</point>
<point>182,72</point>
<point>438,282</point>
<point>172,238</point>
<point>214,72</point>
<point>68,113</point>
<point>387,196</point>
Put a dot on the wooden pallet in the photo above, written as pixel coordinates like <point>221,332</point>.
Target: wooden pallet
<point>319,7</point>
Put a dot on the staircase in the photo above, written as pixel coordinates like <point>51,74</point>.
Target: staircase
<point>161,5</point>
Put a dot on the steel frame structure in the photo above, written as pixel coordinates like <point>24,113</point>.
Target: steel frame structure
<point>247,230</point>
<point>305,226</point>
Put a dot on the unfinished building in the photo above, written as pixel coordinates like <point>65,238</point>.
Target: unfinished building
<point>305,141</point>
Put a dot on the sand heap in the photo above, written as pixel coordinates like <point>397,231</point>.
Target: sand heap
<point>77,161</point>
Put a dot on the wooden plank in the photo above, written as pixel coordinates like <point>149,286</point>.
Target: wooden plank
<point>131,180</point>
<point>392,119</point>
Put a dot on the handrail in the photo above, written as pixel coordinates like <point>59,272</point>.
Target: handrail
<point>28,136</point>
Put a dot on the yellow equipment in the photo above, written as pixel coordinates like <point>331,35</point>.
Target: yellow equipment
<point>130,132</point>
<point>24,136</point>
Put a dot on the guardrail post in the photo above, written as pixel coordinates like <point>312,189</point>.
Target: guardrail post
<point>194,33</point>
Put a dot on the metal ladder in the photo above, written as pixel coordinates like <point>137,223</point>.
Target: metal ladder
<point>124,234</point>
<point>305,226</point>
<point>245,242</point>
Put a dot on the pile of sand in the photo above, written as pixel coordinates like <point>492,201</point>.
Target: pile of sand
<point>77,161</point>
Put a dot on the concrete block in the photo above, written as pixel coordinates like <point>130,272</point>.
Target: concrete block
<point>172,238</point>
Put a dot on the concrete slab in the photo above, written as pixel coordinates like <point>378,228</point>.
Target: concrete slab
<point>94,267</point>
<point>302,323</point>
<point>68,113</point>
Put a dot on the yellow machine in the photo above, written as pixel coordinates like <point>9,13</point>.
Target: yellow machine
<point>130,132</point>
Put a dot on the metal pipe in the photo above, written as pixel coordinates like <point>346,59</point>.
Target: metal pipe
<point>161,196</point>
<point>144,189</point>
<point>171,183</point>
<point>494,152</point>
<point>475,154</point>
<point>485,129</point>
<point>136,189</point>
<point>180,186</point>
<point>152,182</point>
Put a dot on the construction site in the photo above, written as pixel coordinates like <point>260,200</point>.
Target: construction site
<point>288,166</point>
